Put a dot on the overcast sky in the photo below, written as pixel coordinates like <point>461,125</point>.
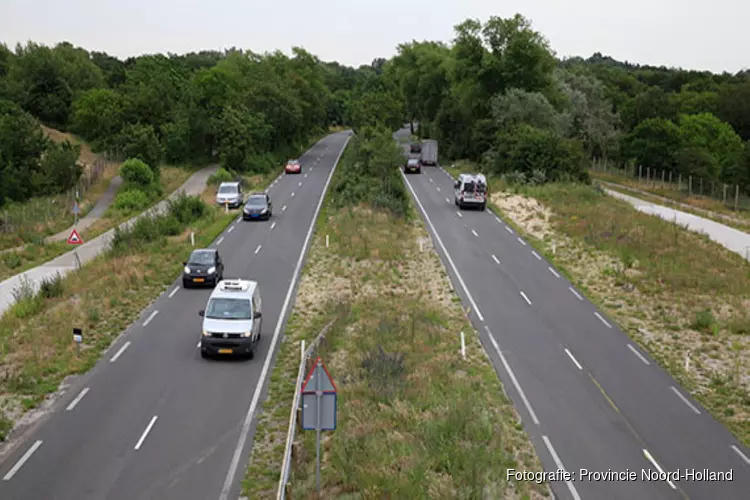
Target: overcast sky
<point>695,34</point>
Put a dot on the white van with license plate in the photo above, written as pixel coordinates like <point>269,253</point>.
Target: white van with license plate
<point>232,319</point>
<point>470,191</point>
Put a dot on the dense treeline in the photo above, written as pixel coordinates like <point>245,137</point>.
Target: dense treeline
<point>498,95</point>
<point>248,110</point>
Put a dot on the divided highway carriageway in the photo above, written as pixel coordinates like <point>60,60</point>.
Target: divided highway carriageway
<point>588,396</point>
<point>153,420</point>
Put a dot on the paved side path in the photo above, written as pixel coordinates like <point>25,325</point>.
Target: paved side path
<point>731,238</point>
<point>89,250</point>
<point>102,204</point>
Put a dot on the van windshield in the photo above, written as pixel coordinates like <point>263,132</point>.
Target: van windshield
<point>221,308</point>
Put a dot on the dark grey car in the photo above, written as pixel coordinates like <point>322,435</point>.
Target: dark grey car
<point>258,206</point>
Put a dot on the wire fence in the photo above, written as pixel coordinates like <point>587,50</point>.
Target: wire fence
<point>675,185</point>
<point>308,356</point>
<point>40,212</point>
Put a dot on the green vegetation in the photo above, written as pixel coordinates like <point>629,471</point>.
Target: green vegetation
<point>414,418</point>
<point>143,260</point>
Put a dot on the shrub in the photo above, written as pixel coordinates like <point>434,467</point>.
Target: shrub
<point>221,175</point>
<point>131,200</point>
<point>141,141</point>
<point>52,287</point>
<point>136,173</point>
<point>186,209</point>
<point>12,260</point>
<point>704,321</point>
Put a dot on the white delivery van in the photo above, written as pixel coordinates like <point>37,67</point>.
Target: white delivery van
<point>471,191</point>
<point>232,319</point>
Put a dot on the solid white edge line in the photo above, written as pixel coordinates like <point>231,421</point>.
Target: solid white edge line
<point>495,259</point>
<point>497,219</point>
<point>273,225</point>
<point>521,241</point>
<point>685,400</point>
<point>536,255</point>
<point>474,233</point>
<point>525,298</point>
<point>119,352</point>
<point>219,242</point>
<point>553,272</point>
<point>512,376</point>
<point>171,294</point>
<point>77,399</point>
<point>150,317</point>
<point>601,318</point>
<point>640,356</point>
<point>258,249</point>
<point>266,365</point>
<point>658,467</point>
<point>22,460</point>
<point>283,208</point>
<point>742,455</point>
<point>575,292</point>
<point>560,466</point>
<point>231,229</point>
<point>145,433</point>
<point>570,355</point>
<point>445,250</point>
<point>507,228</point>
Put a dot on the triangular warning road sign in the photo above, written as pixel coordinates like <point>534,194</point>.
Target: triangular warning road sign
<point>326,381</point>
<point>74,238</point>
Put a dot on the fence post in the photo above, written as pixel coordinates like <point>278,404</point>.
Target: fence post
<point>679,182</point>
<point>737,198</point>
<point>640,173</point>
<point>725,194</point>
<point>701,193</point>
<point>690,185</point>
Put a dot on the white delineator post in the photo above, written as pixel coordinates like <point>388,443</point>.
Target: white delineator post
<point>463,346</point>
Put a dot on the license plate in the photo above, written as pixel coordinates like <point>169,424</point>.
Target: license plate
<point>256,215</point>
<point>225,351</point>
<point>198,280</point>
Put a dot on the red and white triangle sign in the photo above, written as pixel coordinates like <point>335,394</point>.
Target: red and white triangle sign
<point>74,238</point>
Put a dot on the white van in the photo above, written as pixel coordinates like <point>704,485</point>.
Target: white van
<point>470,191</point>
<point>232,319</point>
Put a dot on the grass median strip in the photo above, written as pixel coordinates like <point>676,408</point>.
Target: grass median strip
<point>415,419</point>
<point>678,294</point>
<point>104,297</point>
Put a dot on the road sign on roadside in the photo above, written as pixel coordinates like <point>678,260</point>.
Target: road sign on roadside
<point>74,238</point>
<point>318,407</point>
<point>76,208</point>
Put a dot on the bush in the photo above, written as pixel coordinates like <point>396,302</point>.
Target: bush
<point>136,173</point>
<point>131,200</point>
<point>186,209</point>
<point>52,287</point>
<point>141,141</point>
<point>221,175</point>
<point>12,260</point>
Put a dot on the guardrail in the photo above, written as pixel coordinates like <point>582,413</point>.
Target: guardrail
<point>306,356</point>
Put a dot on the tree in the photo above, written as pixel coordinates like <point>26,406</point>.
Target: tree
<point>241,135</point>
<point>140,141</point>
<point>518,106</point>
<point>734,107</point>
<point>653,103</point>
<point>653,143</point>
<point>99,114</point>
<point>706,132</point>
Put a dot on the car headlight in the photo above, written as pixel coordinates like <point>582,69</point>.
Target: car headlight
<point>264,210</point>
<point>187,269</point>
<point>211,270</point>
<point>206,334</point>
<point>247,333</point>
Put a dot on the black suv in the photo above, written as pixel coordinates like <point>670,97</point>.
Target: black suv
<point>258,206</point>
<point>204,267</point>
<point>416,147</point>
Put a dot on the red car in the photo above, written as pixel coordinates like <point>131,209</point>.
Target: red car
<point>293,167</point>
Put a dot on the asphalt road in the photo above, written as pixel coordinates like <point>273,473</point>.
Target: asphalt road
<point>588,396</point>
<point>153,420</point>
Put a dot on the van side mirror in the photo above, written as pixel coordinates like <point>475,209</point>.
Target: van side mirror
<point>256,315</point>
<point>202,312</point>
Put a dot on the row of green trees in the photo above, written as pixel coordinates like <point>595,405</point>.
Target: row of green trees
<point>249,110</point>
<point>498,95</point>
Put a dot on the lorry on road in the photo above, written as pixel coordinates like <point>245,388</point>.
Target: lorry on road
<point>429,154</point>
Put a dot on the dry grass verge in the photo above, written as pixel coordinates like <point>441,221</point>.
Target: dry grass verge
<point>674,291</point>
<point>415,420</point>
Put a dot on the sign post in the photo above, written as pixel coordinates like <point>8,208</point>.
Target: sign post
<point>78,338</point>
<point>318,407</point>
<point>75,239</point>
<point>76,211</point>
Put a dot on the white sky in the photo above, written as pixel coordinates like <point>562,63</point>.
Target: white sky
<point>705,35</point>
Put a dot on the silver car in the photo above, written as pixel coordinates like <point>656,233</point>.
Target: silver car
<point>230,193</point>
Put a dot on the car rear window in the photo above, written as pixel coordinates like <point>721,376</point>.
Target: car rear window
<point>470,187</point>
<point>413,162</point>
